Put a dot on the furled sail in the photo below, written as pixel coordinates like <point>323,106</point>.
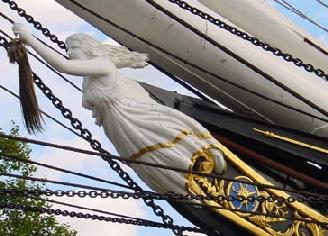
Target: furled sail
<point>191,57</point>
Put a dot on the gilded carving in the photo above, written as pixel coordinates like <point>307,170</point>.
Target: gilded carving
<point>258,224</point>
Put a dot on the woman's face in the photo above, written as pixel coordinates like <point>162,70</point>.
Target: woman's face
<point>75,51</point>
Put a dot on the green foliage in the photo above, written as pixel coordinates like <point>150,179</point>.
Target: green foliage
<point>15,222</point>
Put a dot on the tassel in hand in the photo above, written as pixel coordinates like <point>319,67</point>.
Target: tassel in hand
<point>17,53</point>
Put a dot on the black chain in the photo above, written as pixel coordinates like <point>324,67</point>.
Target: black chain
<point>4,42</point>
<point>80,215</point>
<point>169,196</point>
<point>194,65</point>
<point>86,135</point>
<point>255,41</point>
<point>240,59</point>
<point>46,32</point>
<point>46,64</point>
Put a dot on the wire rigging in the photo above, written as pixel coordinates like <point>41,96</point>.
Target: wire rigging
<point>16,158</point>
<point>201,69</point>
<point>291,8</point>
<point>86,135</point>
<point>239,59</point>
<point>46,32</point>
<point>126,160</point>
<point>73,122</point>
<point>254,92</point>
<point>322,3</point>
<point>44,113</point>
<point>80,215</point>
<point>78,206</point>
<point>40,60</point>
<point>187,198</point>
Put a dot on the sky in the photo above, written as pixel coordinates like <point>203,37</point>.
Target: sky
<point>63,23</point>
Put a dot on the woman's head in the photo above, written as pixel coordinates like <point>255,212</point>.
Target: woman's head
<point>84,46</point>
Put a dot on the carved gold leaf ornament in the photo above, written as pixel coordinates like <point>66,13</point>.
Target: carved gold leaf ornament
<point>170,143</point>
<point>260,225</point>
<point>203,161</point>
<point>244,190</point>
<point>292,141</point>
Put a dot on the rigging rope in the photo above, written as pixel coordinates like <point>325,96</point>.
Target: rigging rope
<point>126,160</point>
<point>205,71</point>
<point>43,62</point>
<point>74,122</point>
<point>80,215</point>
<point>322,3</point>
<point>44,113</point>
<point>255,41</point>
<point>291,8</point>
<point>254,92</point>
<point>86,134</point>
<point>17,158</point>
<point>238,58</point>
<point>182,199</point>
<point>46,32</point>
<point>92,209</point>
<point>169,196</point>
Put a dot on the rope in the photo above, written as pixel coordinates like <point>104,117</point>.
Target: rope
<point>124,195</point>
<point>44,113</point>
<point>238,58</point>
<point>17,158</point>
<point>166,167</point>
<point>254,92</point>
<point>322,3</point>
<point>291,8</point>
<point>47,65</point>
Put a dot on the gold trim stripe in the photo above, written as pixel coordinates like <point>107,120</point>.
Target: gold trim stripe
<point>168,144</point>
<point>250,173</point>
<point>292,141</point>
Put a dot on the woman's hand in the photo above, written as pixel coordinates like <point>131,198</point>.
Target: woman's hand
<point>23,32</point>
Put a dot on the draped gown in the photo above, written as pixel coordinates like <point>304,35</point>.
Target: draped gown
<point>142,129</point>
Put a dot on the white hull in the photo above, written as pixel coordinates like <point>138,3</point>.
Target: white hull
<point>146,22</point>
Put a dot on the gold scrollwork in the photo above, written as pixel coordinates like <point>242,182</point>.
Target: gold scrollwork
<point>260,225</point>
<point>244,190</point>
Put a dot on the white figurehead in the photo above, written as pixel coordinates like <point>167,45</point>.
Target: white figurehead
<point>138,127</point>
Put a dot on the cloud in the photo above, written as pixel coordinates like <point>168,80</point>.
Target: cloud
<point>90,227</point>
<point>49,13</point>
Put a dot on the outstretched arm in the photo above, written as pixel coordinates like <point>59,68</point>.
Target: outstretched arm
<point>91,67</point>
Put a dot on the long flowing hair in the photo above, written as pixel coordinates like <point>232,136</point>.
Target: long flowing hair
<point>119,55</point>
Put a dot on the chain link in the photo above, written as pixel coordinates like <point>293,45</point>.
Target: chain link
<point>80,215</point>
<point>255,41</point>
<point>4,42</point>
<point>169,196</point>
<point>86,134</point>
<point>46,32</point>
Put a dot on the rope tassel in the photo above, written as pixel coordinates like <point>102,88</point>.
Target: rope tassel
<point>17,53</point>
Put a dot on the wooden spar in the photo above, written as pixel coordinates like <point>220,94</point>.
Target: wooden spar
<point>143,20</point>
